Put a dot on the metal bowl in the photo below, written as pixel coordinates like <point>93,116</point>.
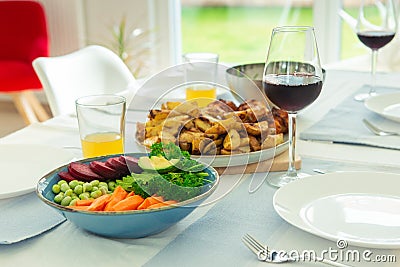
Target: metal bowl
<point>245,79</point>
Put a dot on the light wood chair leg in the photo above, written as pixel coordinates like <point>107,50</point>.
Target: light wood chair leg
<point>40,112</point>
<point>24,108</point>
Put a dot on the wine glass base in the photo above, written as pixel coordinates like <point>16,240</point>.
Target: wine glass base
<point>363,97</point>
<point>279,181</point>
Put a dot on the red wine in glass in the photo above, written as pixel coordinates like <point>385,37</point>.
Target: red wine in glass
<point>292,92</point>
<point>375,39</point>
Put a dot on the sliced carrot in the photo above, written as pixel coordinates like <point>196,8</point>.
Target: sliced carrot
<point>130,194</point>
<point>99,203</point>
<point>129,203</point>
<point>78,207</point>
<point>150,201</point>
<point>162,204</point>
<point>84,202</point>
<point>118,195</point>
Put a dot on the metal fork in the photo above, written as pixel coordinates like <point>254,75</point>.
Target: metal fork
<point>265,254</point>
<point>376,130</point>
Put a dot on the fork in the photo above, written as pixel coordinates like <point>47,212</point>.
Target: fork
<point>376,130</point>
<point>264,254</point>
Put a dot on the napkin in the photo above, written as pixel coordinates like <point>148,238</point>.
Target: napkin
<point>25,217</point>
<point>215,238</point>
<point>343,124</point>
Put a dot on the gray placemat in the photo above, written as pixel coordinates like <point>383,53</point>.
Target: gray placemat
<point>215,239</point>
<point>343,124</point>
<point>24,217</point>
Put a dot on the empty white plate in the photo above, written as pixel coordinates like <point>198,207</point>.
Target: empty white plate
<point>22,165</point>
<point>362,208</point>
<point>386,105</point>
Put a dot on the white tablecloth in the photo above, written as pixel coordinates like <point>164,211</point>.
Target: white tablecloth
<point>67,245</point>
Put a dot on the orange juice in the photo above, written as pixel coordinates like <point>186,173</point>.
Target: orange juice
<point>202,95</point>
<point>100,144</point>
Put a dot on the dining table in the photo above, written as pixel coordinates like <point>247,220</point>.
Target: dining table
<point>211,234</point>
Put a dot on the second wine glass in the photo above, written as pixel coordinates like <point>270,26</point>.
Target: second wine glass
<point>376,27</point>
<point>292,80</point>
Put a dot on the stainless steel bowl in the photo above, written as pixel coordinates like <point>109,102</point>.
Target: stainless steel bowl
<point>245,79</point>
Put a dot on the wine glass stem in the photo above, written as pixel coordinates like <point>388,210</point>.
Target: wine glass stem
<point>374,56</point>
<point>291,172</point>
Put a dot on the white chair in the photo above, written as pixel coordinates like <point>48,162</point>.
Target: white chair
<point>88,71</point>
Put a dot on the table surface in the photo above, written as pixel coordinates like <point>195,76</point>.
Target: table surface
<point>66,245</point>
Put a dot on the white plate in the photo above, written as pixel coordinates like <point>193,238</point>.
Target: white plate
<point>386,105</point>
<point>22,166</point>
<point>243,158</point>
<point>362,208</point>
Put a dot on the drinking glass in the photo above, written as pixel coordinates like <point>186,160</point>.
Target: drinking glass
<point>376,27</point>
<point>101,120</point>
<point>200,67</point>
<point>292,80</point>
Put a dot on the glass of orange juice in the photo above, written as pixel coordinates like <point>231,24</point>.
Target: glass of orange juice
<point>200,73</point>
<point>101,120</point>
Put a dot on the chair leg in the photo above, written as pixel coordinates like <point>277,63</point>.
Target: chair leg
<point>40,112</point>
<point>24,108</point>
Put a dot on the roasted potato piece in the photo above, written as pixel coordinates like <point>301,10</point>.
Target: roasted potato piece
<point>170,105</point>
<point>148,142</point>
<point>232,140</point>
<point>185,146</point>
<point>158,115</point>
<point>254,143</point>
<point>140,131</point>
<point>190,108</point>
<point>153,131</point>
<point>167,137</point>
<point>244,141</point>
<point>252,129</point>
<point>196,145</point>
<point>186,137</point>
<point>244,149</point>
<point>216,129</point>
<point>202,123</point>
<point>272,140</point>
<point>189,124</point>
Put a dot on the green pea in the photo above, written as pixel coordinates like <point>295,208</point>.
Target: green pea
<point>66,200</point>
<point>58,198</point>
<point>78,189</point>
<point>103,190</point>
<point>61,182</point>
<point>81,182</point>
<point>87,187</point>
<point>56,188</point>
<point>68,192</point>
<point>64,187</point>
<point>111,185</point>
<point>85,195</point>
<point>103,184</point>
<point>96,194</point>
<point>95,183</point>
<point>95,188</point>
<point>73,201</point>
<point>73,184</point>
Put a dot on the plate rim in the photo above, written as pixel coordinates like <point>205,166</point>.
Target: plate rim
<point>29,189</point>
<point>370,106</point>
<point>295,218</point>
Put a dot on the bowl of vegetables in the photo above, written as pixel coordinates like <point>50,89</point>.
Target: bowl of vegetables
<point>129,195</point>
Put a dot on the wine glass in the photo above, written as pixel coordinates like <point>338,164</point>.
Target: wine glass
<point>376,27</point>
<point>292,80</point>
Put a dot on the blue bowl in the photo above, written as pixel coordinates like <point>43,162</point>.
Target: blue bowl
<point>126,224</point>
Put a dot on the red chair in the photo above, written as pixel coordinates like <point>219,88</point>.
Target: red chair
<point>23,37</point>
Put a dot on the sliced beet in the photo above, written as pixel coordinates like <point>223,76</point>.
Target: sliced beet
<point>103,170</point>
<point>132,163</point>
<point>83,172</point>
<point>66,176</point>
<point>115,164</point>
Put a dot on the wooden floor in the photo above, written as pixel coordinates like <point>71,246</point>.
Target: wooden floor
<point>10,120</point>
